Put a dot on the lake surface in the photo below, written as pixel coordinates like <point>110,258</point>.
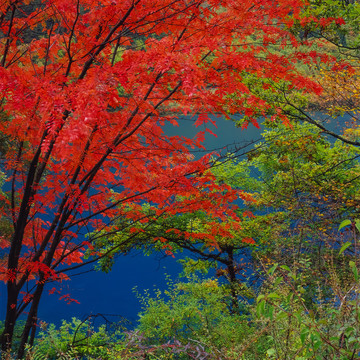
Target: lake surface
<point>112,294</point>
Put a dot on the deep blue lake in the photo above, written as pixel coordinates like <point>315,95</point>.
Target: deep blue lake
<point>113,293</point>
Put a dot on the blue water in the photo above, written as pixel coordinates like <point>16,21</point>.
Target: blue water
<point>112,293</point>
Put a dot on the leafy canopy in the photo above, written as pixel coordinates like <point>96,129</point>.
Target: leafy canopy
<point>86,88</point>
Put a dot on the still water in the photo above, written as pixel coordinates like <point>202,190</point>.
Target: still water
<point>112,294</point>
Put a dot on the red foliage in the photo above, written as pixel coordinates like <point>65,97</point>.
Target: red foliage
<point>248,241</point>
<point>85,104</point>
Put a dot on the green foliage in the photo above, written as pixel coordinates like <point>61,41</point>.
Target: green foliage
<point>192,266</point>
<point>342,33</point>
<point>304,186</point>
<point>17,334</point>
<point>329,330</point>
<point>198,310</point>
<point>75,340</point>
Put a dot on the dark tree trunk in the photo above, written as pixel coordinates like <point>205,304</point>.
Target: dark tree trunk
<point>11,316</point>
<point>31,320</point>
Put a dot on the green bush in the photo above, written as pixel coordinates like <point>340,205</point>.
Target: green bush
<point>75,340</point>
<point>198,312</point>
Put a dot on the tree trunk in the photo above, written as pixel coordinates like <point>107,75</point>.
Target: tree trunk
<point>11,316</point>
<point>31,320</point>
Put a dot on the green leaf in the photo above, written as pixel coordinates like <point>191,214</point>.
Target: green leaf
<point>285,267</point>
<point>299,317</point>
<point>277,282</point>
<point>344,247</point>
<point>260,308</point>
<point>316,345</point>
<point>352,339</point>
<point>271,313</point>
<point>344,223</point>
<point>281,315</point>
<point>303,335</point>
<point>272,270</point>
<point>357,224</point>
<point>354,270</point>
<point>271,352</point>
<point>273,296</point>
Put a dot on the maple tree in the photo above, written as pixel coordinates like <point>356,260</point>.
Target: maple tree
<point>86,88</point>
